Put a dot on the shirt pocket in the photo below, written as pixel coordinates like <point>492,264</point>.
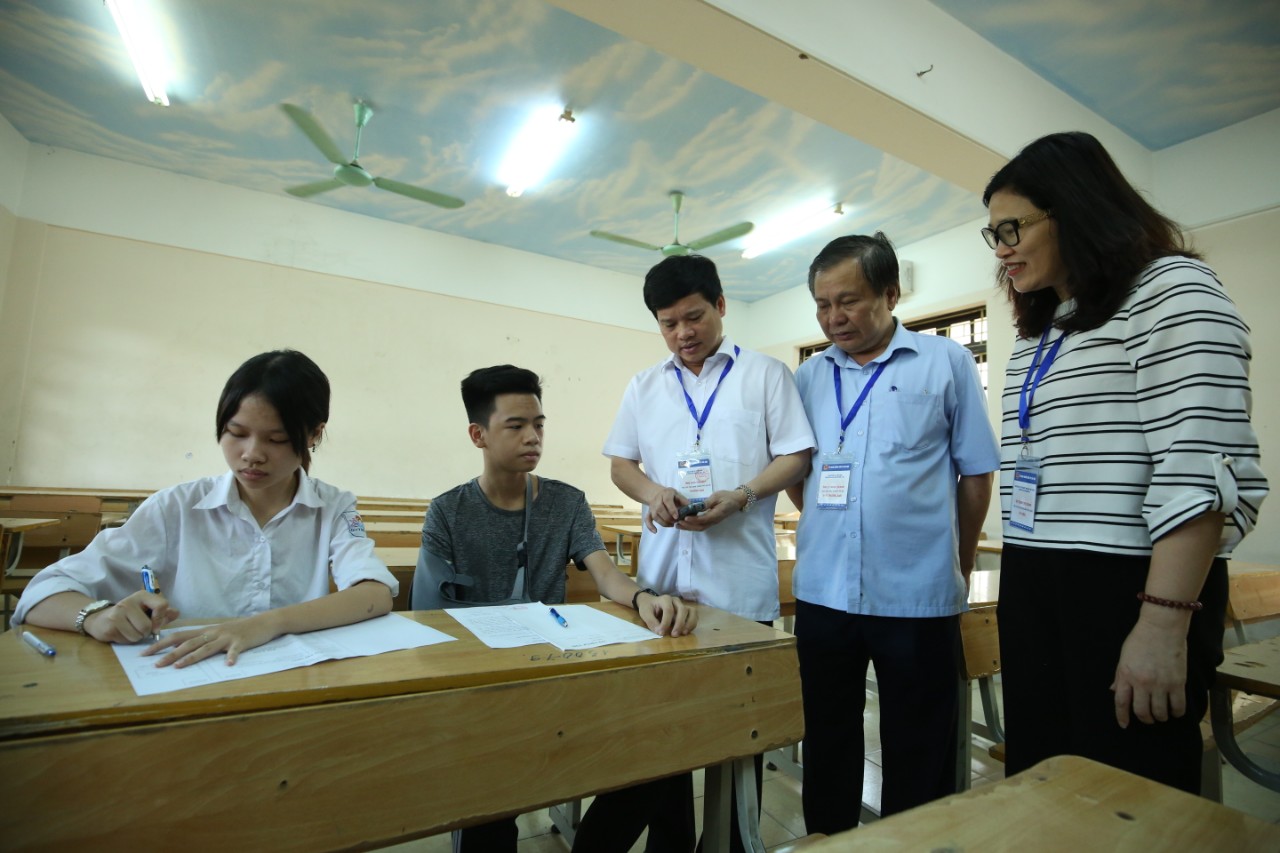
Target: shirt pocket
<point>740,437</point>
<point>905,421</point>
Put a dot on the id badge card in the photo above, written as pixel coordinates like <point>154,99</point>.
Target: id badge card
<point>1026,482</point>
<point>834,478</point>
<point>693,471</point>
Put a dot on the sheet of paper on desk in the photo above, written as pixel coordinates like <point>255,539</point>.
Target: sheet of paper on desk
<point>388,633</point>
<point>510,625</point>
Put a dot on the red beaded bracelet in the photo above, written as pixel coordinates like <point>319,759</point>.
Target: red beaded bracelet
<point>1164,602</point>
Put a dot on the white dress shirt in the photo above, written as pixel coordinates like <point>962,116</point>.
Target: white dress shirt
<point>757,415</point>
<point>212,560</point>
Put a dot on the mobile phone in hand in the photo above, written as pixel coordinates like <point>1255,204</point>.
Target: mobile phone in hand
<point>691,508</point>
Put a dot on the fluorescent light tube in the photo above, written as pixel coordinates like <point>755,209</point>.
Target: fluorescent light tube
<point>143,51</point>
<point>783,230</point>
<point>536,148</point>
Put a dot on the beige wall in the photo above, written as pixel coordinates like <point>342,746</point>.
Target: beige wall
<point>130,343</point>
<point>1245,254</point>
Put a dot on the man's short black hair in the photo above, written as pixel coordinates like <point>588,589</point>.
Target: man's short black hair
<point>482,387</point>
<point>679,276</point>
<point>874,255</point>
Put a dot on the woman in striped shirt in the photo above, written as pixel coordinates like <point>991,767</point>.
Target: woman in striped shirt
<point>1129,466</point>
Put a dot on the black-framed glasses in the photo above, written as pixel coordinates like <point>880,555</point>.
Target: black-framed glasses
<point>1007,232</point>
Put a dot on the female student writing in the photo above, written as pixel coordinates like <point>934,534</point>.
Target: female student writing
<point>254,544</point>
<point>1129,466</point>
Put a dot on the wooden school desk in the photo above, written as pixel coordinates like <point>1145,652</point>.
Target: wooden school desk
<point>11,530</point>
<point>1252,668</point>
<point>1065,803</point>
<point>627,543</point>
<point>370,751</point>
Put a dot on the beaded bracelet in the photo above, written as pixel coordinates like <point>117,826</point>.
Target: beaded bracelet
<point>1164,602</point>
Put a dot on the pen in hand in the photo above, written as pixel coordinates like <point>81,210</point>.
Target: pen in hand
<point>559,618</point>
<point>38,644</point>
<point>150,585</point>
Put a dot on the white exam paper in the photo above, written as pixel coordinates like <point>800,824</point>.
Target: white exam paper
<point>510,625</point>
<point>388,633</point>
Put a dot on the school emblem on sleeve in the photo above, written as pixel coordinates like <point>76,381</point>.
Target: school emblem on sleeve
<point>355,524</point>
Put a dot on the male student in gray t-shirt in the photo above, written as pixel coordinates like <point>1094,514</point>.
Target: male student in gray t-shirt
<point>478,525</point>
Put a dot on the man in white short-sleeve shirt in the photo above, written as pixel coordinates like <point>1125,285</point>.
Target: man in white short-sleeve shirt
<point>715,424</point>
<point>754,440</point>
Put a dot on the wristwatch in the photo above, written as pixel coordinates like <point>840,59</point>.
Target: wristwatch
<point>636,598</point>
<point>87,611</point>
<point>751,496</point>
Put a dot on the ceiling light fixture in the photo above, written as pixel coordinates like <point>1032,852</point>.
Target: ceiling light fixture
<point>144,51</point>
<point>536,148</point>
<point>783,230</point>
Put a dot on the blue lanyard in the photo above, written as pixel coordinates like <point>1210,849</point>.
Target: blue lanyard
<point>701,420</point>
<point>1029,384</point>
<point>857,404</point>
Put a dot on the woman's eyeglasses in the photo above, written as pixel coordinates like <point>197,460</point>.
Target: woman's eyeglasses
<point>1007,232</point>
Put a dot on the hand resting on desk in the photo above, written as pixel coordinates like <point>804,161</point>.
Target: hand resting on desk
<point>666,615</point>
<point>231,637</point>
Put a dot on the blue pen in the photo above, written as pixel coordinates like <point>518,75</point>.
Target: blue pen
<point>38,644</point>
<point>559,618</point>
<point>150,585</point>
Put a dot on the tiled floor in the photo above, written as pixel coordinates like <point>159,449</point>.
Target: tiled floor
<point>782,820</point>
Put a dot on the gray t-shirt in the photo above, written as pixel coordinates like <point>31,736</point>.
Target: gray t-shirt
<point>480,539</point>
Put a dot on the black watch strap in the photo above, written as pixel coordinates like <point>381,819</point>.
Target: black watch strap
<point>636,598</point>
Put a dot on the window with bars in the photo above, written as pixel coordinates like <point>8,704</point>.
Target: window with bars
<point>968,328</point>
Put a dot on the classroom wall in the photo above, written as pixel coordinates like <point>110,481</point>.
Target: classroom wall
<point>130,343</point>
<point>1244,253</point>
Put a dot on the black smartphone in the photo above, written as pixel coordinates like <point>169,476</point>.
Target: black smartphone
<point>691,508</point>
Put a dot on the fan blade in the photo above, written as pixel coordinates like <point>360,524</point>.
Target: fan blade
<point>721,236</point>
<point>418,193</point>
<point>626,241</point>
<point>309,126</point>
<point>308,190</point>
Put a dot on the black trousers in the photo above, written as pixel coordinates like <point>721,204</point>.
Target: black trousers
<point>918,680</point>
<point>615,820</point>
<point>498,836</point>
<point>1063,618</point>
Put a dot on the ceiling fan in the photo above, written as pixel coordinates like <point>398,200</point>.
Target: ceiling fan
<point>675,247</point>
<point>352,174</point>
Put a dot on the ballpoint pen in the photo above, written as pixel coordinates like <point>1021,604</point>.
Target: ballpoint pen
<point>559,618</point>
<point>38,644</point>
<point>150,585</point>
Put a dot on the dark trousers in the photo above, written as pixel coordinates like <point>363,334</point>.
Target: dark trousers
<point>1063,618</point>
<point>917,678</point>
<point>498,836</point>
<point>615,820</point>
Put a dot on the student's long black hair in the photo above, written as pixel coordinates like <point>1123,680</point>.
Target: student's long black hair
<point>1107,232</point>
<point>293,384</point>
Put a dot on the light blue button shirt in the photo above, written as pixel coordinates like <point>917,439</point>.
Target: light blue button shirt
<point>893,550</point>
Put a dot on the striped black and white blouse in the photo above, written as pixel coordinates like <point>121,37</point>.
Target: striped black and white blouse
<point>1141,424</point>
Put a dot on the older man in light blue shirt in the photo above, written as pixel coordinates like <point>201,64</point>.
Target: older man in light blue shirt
<point>892,507</point>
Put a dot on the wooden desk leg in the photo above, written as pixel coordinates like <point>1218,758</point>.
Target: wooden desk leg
<point>1224,734</point>
<point>715,805</point>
